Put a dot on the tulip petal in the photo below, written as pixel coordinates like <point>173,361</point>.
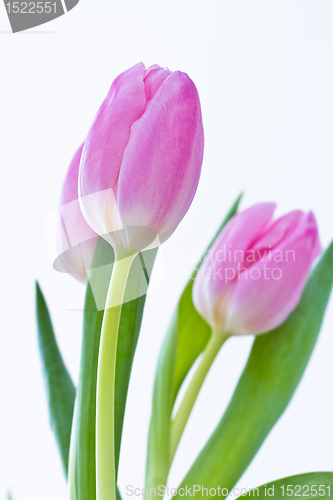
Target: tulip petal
<point>154,79</point>
<point>228,253</point>
<point>242,230</point>
<point>150,68</point>
<point>110,132</point>
<point>104,149</point>
<point>279,230</point>
<point>162,161</point>
<point>214,283</point>
<point>265,295</point>
<point>70,187</point>
<point>76,240</point>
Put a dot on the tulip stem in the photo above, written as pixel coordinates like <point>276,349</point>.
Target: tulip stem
<point>178,424</point>
<point>105,454</point>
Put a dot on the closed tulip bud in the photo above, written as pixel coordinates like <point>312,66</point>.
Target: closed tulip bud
<point>139,172</point>
<point>75,240</point>
<point>142,158</point>
<point>254,275</point>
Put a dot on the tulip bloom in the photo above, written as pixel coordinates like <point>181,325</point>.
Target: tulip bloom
<point>76,241</point>
<point>254,275</point>
<point>250,281</point>
<point>142,158</point>
<point>139,171</point>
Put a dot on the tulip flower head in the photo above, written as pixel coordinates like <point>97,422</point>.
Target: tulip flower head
<point>142,158</point>
<point>76,241</point>
<point>254,275</point>
<point>139,172</point>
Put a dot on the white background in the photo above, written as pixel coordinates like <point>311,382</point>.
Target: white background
<point>264,71</point>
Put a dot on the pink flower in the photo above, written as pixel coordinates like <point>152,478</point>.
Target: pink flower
<point>142,158</point>
<point>254,275</point>
<point>75,241</point>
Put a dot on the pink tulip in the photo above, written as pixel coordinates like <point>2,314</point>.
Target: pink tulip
<point>254,275</point>
<point>142,158</point>
<point>76,241</point>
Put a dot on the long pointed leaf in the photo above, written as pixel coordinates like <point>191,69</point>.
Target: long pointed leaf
<point>274,369</point>
<point>59,386</point>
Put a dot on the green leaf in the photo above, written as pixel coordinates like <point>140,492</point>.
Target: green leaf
<point>158,461</point>
<point>274,369</point>
<point>85,406</point>
<point>299,486</point>
<point>130,322</point>
<point>59,386</point>
<point>186,338</point>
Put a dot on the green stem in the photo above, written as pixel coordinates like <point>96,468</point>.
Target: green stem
<point>70,485</point>
<point>105,450</point>
<point>178,424</point>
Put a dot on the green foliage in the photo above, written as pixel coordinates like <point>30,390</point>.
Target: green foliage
<point>274,369</point>
<point>84,428</point>
<point>59,386</point>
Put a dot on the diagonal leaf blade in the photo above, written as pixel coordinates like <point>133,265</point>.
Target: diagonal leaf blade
<point>274,369</point>
<point>59,386</point>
